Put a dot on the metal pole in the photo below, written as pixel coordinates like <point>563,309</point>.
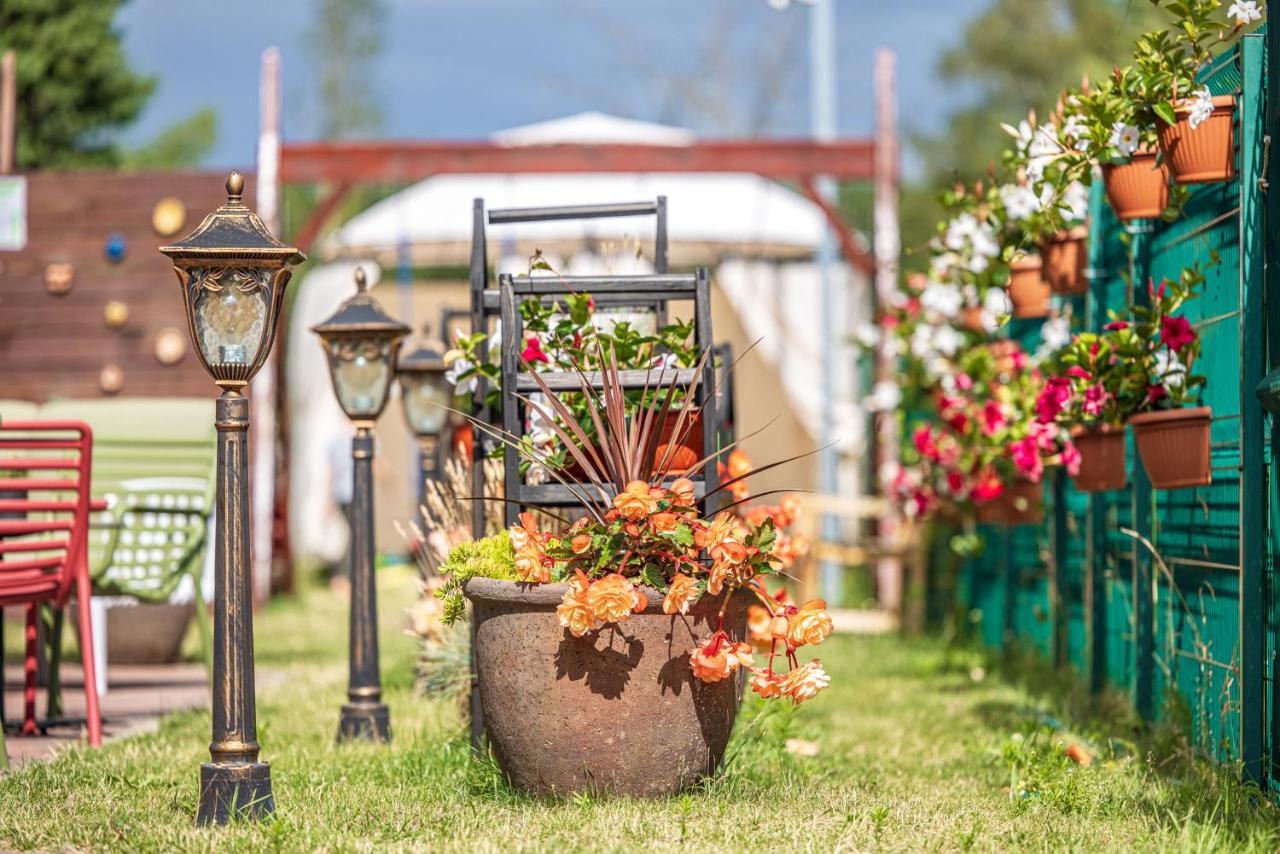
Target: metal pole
<point>822,104</point>
<point>428,452</point>
<point>364,716</point>
<point>235,784</point>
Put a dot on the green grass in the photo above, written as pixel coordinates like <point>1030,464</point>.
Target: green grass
<point>919,749</point>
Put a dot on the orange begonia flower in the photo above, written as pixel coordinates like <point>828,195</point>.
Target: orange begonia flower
<point>682,494</point>
<point>573,611</point>
<point>662,522</point>
<point>804,683</point>
<point>758,620</point>
<point>581,543</point>
<point>635,502</point>
<point>809,625</point>
<point>682,593</point>
<point>766,684</point>
<point>717,657</point>
<point>613,598</point>
<point>739,464</point>
<point>529,544</point>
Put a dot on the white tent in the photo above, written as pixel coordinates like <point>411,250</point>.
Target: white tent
<point>758,236</point>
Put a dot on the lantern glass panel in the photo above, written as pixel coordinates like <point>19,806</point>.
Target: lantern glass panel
<point>425,399</point>
<point>231,308</point>
<point>361,377</point>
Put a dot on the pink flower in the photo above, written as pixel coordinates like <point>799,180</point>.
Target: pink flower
<point>964,382</point>
<point>1078,372</point>
<point>1071,459</point>
<point>955,482</point>
<point>533,351</point>
<point>1053,399</point>
<point>1176,333</point>
<point>1116,325</point>
<point>925,443</point>
<point>1155,393</point>
<point>1019,360</point>
<point>1026,456</point>
<point>993,419</point>
<point>1095,398</point>
<point>988,487</point>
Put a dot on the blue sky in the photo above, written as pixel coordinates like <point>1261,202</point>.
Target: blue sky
<point>463,68</point>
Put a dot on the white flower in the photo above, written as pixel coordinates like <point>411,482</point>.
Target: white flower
<point>922,342</point>
<point>1245,12</point>
<point>996,302</point>
<point>885,395</point>
<point>960,231</point>
<point>1055,334</point>
<point>942,299</point>
<point>978,263</point>
<point>942,264</point>
<point>458,367</point>
<point>1169,370</point>
<point>1075,202</point>
<point>984,241</point>
<point>1019,202</point>
<point>867,334</point>
<point>1124,138</point>
<point>947,340</point>
<point>1200,107</point>
<point>1075,129</point>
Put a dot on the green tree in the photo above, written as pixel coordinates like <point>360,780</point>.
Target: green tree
<point>1016,56</point>
<point>343,39</point>
<point>181,146</point>
<point>74,86</point>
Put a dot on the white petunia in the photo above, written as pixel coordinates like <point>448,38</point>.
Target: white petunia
<point>1124,138</point>
<point>942,299</point>
<point>1055,334</point>
<point>996,301</point>
<point>984,242</point>
<point>922,342</point>
<point>885,395</point>
<point>1169,369</point>
<point>947,340</point>
<point>1075,202</point>
<point>867,334</point>
<point>1200,107</point>
<point>1019,202</point>
<point>1244,12</point>
<point>942,264</point>
<point>960,231</point>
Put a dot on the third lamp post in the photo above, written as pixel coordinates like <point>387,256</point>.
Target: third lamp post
<point>425,396</point>
<point>362,342</point>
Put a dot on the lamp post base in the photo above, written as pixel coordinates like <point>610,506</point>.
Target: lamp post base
<point>234,792</point>
<point>365,722</point>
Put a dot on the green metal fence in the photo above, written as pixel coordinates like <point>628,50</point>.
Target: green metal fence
<point>1188,626</point>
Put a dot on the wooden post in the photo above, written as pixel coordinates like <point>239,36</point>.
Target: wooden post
<point>8,110</point>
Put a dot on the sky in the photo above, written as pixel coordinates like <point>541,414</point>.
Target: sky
<point>461,69</point>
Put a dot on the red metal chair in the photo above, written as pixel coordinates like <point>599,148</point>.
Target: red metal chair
<point>44,539</point>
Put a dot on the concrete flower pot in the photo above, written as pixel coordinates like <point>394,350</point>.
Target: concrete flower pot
<point>1065,256</point>
<point>616,710</point>
<point>1203,154</point>
<point>1138,189</point>
<point>1173,445</point>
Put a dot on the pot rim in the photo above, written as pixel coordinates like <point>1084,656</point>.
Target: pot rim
<point>1026,261</point>
<point>532,593</point>
<point>1096,430</point>
<point>1139,157</point>
<point>1068,235</point>
<point>1221,103</point>
<point>1185,413</point>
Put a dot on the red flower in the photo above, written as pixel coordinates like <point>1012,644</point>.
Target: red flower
<point>1078,372</point>
<point>988,487</point>
<point>533,351</point>
<point>925,443</point>
<point>1155,393</point>
<point>993,419</point>
<point>1176,332</point>
<point>1026,456</point>
<point>1116,325</point>
<point>1053,399</point>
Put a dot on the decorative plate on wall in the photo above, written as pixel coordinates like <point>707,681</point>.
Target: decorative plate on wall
<point>170,346</point>
<point>168,216</point>
<point>59,278</point>
<point>115,313</point>
<point>111,379</point>
<point>116,247</point>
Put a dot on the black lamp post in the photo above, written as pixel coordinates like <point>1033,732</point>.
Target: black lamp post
<point>233,274</point>
<point>362,343</point>
<point>425,396</point>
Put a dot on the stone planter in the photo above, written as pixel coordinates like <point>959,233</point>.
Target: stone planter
<point>1138,189</point>
<point>1203,154</point>
<point>147,633</point>
<point>1173,445</point>
<point>616,710</point>
<point>1104,460</point>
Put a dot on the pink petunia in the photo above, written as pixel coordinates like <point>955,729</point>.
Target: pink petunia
<point>1156,392</point>
<point>988,487</point>
<point>925,443</point>
<point>993,420</point>
<point>1026,456</point>
<point>1053,398</point>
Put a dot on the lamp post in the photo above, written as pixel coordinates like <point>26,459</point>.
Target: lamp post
<point>233,273</point>
<point>362,343</point>
<point>425,397</point>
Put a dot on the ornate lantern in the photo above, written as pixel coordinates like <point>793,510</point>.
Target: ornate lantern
<point>362,343</point>
<point>425,396</point>
<point>233,274</point>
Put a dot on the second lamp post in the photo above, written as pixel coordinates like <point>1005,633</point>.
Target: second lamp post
<point>425,396</point>
<point>362,342</point>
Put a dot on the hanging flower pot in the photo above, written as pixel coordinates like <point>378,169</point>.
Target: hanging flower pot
<point>1028,291</point>
<point>1024,503</point>
<point>1173,445</point>
<point>1104,461</point>
<point>618,709</point>
<point>972,319</point>
<point>1205,153</point>
<point>1138,189</point>
<point>1065,255</point>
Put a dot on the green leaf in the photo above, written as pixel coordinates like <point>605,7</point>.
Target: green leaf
<point>1165,110</point>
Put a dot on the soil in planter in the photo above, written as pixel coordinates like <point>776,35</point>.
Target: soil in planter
<point>1203,154</point>
<point>1064,256</point>
<point>1028,291</point>
<point>1104,460</point>
<point>1138,189</point>
<point>1173,445</point>
<point>616,710</point>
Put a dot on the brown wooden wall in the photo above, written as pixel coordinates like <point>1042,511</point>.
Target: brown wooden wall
<point>56,346</point>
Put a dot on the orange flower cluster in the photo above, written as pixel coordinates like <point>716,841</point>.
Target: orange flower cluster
<point>739,466</point>
<point>531,548</point>
<point>776,623</point>
<point>787,548</point>
<point>725,540</point>
<point>588,604</point>
<point>718,657</point>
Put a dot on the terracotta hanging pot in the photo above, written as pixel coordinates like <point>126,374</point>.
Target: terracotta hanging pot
<point>1104,460</point>
<point>972,320</point>
<point>1065,255</point>
<point>1173,445</point>
<point>1202,154</point>
<point>617,710</point>
<point>1138,189</point>
<point>1028,291</point>
<point>1021,503</point>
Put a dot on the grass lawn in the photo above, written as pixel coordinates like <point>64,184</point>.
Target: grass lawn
<point>918,748</point>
